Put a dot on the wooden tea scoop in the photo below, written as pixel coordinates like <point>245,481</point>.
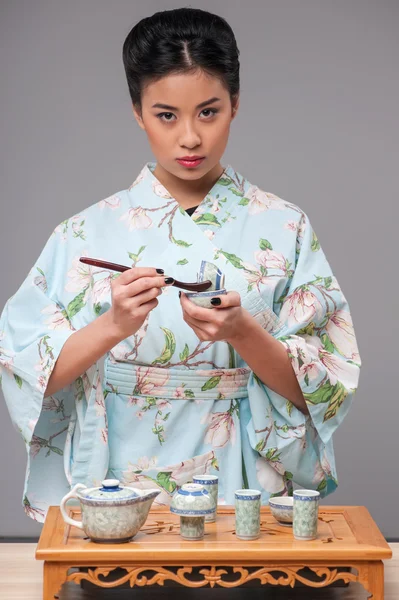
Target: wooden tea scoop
<point>199,286</point>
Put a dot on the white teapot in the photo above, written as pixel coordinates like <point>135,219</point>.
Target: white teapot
<point>111,513</point>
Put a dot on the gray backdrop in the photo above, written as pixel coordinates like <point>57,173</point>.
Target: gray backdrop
<point>318,126</point>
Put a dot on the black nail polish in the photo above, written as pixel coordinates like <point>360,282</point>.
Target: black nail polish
<point>169,280</point>
<point>179,294</point>
<point>216,301</point>
<point>160,271</point>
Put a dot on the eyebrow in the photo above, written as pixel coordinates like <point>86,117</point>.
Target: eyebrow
<point>168,107</point>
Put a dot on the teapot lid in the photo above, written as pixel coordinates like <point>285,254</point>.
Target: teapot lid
<point>110,491</point>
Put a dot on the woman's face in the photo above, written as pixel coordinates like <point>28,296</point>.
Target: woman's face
<point>187,115</point>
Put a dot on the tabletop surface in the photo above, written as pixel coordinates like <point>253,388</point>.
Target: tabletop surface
<point>344,533</point>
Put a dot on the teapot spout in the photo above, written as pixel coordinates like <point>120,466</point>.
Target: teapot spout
<point>150,494</point>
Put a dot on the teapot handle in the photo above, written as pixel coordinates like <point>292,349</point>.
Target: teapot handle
<point>71,494</point>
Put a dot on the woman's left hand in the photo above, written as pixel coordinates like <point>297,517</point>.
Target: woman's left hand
<point>222,323</point>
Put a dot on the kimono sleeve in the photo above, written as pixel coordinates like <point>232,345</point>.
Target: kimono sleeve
<point>317,331</point>
<point>34,326</point>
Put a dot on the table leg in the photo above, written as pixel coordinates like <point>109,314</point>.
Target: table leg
<point>54,575</point>
<point>372,580</point>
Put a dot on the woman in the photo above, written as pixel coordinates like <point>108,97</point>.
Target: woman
<point>252,389</point>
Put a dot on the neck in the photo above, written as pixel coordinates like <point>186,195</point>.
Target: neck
<point>188,193</point>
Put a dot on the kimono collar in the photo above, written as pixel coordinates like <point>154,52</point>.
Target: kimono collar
<point>147,180</point>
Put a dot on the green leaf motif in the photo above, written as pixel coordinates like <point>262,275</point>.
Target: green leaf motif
<point>97,308</point>
<point>184,355</point>
<point>18,380</point>
<point>183,212</point>
<point>207,219</point>
<point>315,245</point>
<point>224,181</point>
<point>308,330</point>
<point>211,383</point>
<point>237,193</point>
<point>265,244</point>
<point>327,343</point>
<point>56,450</point>
<point>181,243</point>
<point>163,479</point>
<point>168,349</point>
<point>322,485</point>
<point>289,406</point>
<point>288,475</point>
<point>333,394</point>
<point>243,202</point>
<point>183,261</point>
<point>272,455</point>
<point>233,259</point>
<point>327,282</point>
<point>76,304</point>
<point>189,394</point>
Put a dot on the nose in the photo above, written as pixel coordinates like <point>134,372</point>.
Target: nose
<point>189,137</point>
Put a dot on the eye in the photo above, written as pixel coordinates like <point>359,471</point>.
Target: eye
<point>210,112</point>
<point>166,116</point>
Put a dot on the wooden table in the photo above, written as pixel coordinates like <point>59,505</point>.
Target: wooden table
<point>348,537</point>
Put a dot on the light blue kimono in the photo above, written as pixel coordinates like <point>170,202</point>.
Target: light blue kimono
<point>167,406</point>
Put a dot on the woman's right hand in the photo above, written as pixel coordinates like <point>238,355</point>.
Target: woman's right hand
<point>134,295</point>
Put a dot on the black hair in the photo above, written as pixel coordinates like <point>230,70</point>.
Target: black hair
<point>180,41</point>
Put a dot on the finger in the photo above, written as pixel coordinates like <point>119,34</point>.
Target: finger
<point>136,273</point>
<point>146,296</point>
<point>146,283</point>
<point>198,328</point>
<point>228,300</point>
<point>194,311</point>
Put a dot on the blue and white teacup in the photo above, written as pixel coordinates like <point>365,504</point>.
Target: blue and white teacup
<point>210,483</point>
<point>247,509</point>
<point>306,514</point>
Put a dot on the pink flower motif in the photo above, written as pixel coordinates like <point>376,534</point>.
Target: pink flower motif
<point>254,276</point>
<point>104,436</point>
<point>57,320</point>
<point>140,414</point>
<point>342,335</point>
<point>41,283</point>
<point>291,225</point>
<point>35,446</point>
<point>221,429</point>
<point>99,401</point>
<point>179,392</point>
<point>270,260</point>
<point>209,234</point>
<point>163,404</point>
<point>337,368</point>
<point>302,306</point>
<point>260,201</point>
<point>32,424</point>
<point>137,218</point>
<point>113,202</point>
<point>184,471</point>
<point>160,190</point>
<point>269,478</point>
<point>144,463</point>
<point>150,379</point>
<point>215,205</point>
<point>101,289</point>
<point>41,383</point>
<point>144,173</point>
<point>80,276</point>
<point>135,401</point>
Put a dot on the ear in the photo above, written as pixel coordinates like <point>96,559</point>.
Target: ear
<point>235,103</point>
<point>138,116</point>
